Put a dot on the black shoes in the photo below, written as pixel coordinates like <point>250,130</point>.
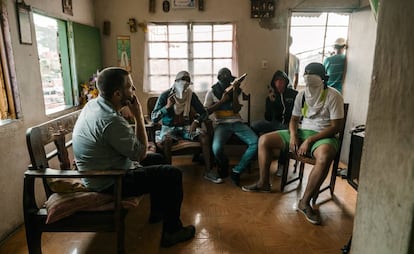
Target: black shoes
<point>155,218</point>
<point>182,235</point>
<point>235,178</point>
<point>223,172</point>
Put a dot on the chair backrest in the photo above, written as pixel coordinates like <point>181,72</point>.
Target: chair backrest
<point>246,99</point>
<point>47,141</point>
<point>151,104</point>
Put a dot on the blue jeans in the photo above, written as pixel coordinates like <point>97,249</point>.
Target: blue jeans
<point>222,134</point>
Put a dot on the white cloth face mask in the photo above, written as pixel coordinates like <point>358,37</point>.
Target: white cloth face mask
<point>180,87</point>
<point>312,80</point>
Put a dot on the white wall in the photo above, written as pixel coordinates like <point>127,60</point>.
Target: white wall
<point>385,206</point>
<point>14,157</point>
<point>360,56</point>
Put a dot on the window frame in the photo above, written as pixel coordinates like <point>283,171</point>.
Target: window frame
<point>8,83</point>
<point>325,45</point>
<point>65,41</point>
<point>149,88</point>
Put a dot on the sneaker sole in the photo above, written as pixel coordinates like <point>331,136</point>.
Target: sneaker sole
<point>314,222</point>
<point>256,190</point>
<point>214,180</point>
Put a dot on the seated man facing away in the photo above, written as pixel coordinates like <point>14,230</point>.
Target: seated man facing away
<point>279,105</point>
<point>322,109</point>
<point>173,109</point>
<point>226,108</point>
<point>103,140</point>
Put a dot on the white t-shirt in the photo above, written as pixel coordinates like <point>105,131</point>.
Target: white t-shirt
<point>332,109</point>
<point>211,99</point>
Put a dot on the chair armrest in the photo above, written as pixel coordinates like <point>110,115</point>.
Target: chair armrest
<point>56,173</point>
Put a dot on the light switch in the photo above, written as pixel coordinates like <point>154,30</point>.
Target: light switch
<point>264,64</point>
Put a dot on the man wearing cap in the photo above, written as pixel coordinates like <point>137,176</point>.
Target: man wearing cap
<point>279,105</point>
<point>173,109</point>
<point>335,65</point>
<point>322,109</point>
<point>224,103</point>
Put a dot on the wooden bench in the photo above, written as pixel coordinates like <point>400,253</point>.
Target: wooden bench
<point>89,211</point>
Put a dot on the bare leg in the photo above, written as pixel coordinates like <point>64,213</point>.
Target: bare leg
<point>324,155</point>
<point>269,145</point>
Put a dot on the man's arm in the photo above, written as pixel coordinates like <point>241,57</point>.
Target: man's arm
<point>211,107</point>
<point>163,106</point>
<point>140,131</point>
<point>293,131</point>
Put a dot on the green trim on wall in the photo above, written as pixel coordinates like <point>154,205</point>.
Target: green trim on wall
<point>87,51</point>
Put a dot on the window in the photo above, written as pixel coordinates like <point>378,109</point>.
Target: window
<point>202,49</point>
<point>53,50</point>
<point>8,110</point>
<point>313,35</point>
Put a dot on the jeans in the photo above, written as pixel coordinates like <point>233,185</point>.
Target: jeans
<point>222,134</point>
<point>264,126</point>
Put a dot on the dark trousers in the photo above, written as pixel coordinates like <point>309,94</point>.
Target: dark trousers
<point>164,185</point>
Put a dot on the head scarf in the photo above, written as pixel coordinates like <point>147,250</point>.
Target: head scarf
<point>315,88</point>
<point>182,93</point>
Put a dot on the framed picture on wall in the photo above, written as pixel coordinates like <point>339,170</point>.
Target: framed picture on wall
<point>24,19</point>
<point>123,45</point>
<point>183,4</point>
<point>67,7</point>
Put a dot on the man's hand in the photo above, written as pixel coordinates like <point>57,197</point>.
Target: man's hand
<point>135,107</point>
<point>170,101</point>
<point>305,147</point>
<point>194,125</point>
<point>225,97</point>
<point>294,144</point>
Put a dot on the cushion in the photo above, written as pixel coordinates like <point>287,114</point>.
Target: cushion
<point>66,185</point>
<point>61,205</point>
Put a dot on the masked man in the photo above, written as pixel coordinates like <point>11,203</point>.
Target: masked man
<point>173,109</point>
<point>225,105</point>
<point>322,109</point>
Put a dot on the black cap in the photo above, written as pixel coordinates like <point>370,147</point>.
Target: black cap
<point>224,73</point>
<point>317,69</point>
<point>279,75</point>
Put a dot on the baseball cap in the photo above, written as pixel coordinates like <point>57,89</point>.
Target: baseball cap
<point>316,69</point>
<point>340,42</point>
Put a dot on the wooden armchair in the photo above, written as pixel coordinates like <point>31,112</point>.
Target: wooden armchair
<point>310,160</point>
<point>69,206</point>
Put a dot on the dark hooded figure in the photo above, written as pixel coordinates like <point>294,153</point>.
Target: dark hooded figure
<point>279,105</point>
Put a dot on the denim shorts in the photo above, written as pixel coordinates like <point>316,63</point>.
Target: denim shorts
<point>304,134</point>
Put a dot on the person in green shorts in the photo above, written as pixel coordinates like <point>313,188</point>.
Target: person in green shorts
<point>322,111</point>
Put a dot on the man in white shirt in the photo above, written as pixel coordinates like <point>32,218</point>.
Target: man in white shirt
<point>322,109</point>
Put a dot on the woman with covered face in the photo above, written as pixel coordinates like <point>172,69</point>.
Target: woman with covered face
<point>173,110</point>
<point>322,109</point>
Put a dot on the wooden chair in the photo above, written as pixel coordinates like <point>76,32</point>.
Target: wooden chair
<point>182,147</point>
<point>106,216</point>
<point>310,160</point>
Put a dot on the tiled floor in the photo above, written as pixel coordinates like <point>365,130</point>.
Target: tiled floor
<point>227,220</point>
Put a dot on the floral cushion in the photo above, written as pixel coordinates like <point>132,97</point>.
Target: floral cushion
<point>61,205</point>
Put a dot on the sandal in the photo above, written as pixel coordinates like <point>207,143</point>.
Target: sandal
<point>255,188</point>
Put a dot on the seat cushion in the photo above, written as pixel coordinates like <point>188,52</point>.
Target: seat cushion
<point>61,205</point>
